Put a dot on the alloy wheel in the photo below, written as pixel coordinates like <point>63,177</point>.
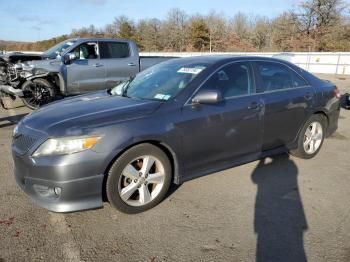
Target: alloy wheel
<point>141,181</point>
<point>313,138</point>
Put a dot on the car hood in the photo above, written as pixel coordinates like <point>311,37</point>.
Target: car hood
<point>87,112</point>
<point>51,65</point>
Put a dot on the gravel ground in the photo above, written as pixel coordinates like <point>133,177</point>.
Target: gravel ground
<point>259,211</point>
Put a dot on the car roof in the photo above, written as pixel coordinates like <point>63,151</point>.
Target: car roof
<point>97,39</point>
<point>223,59</point>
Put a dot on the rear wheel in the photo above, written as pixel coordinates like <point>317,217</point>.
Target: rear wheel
<point>139,179</point>
<point>311,137</point>
<point>37,93</point>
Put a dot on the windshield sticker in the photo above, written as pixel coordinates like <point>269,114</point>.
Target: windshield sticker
<point>70,43</point>
<point>162,97</point>
<point>189,70</point>
<point>159,96</point>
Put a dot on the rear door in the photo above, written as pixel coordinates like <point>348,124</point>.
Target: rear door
<point>288,99</point>
<point>215,134</point>
<point>87,72</point>
<point>120,59</point>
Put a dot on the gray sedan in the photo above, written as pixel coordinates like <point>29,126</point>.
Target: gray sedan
<point>178,120</point>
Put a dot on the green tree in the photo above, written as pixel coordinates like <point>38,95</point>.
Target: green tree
<point>125,28</point>
<point>198,35</point>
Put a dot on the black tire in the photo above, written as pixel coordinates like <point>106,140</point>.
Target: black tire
<point>300,150</point>
<point>46,93</point>
<point>115,176</point>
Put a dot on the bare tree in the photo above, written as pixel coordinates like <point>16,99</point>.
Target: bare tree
<point>149,32</point>
<point>261,32</point>
<point>174,30</point>
<point>218,31</point>
<point>240,25</point>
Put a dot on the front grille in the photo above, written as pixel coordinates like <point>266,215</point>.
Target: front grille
<point>23,143</point>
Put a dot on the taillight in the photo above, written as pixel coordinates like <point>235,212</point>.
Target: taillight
<point>336,93</point>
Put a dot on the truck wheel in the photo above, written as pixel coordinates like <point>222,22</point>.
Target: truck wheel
<point>311,137</point>
<point>37,93</point>
<point>139,179</point>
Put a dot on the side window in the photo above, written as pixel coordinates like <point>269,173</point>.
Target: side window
<point>232,80</point>
<point>114,50</point>
<point>298,81</point>
<point>86,51</point>
<point>275,76</point>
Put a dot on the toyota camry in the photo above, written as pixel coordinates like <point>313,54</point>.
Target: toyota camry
<point>176,121</point>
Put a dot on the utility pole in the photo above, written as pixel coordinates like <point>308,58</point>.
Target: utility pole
<point>210,42</point>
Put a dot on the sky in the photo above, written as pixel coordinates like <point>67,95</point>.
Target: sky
<point>33,20</point>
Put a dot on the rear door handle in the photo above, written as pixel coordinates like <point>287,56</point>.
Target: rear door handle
<point>97,65</point>
<point>131,64</point>
<point>255,105</point>
<point>308,96</point>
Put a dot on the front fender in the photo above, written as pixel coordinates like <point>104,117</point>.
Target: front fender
<point>161,144</point>
<point>31,78</point>
<point>62,84</point>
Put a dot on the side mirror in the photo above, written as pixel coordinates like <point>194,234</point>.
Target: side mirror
<point>207,97</point>
<point>68,58</point>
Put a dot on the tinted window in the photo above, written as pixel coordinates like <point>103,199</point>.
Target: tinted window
<point>275,76</point>
<point>232,80</point>
<point>114,50</point>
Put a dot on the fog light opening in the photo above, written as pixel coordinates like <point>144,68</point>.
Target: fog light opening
<point>58,191</point>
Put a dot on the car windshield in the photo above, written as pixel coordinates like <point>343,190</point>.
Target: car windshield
<point>160,82</point>
<point>58,49</point>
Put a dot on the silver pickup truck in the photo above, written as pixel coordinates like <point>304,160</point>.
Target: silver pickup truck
<point>72,67</point>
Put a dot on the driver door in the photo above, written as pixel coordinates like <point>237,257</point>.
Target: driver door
<point>217,135</point>
<point>87,72</point>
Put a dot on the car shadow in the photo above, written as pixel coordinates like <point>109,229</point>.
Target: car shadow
<point>279,220</point>
<point>11,120</point>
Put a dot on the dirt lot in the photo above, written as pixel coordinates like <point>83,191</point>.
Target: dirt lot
<point>298,208</point>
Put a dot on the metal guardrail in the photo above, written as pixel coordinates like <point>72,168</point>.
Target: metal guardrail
<point>316,62</point>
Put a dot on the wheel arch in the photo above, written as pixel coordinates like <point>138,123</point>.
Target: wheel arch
<point>323,113</point>
<point>315,112</point>
<point>58,79</point>
<point>161,145</point>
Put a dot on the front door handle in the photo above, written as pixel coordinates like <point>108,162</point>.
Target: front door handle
<point>131,64</point>
<point>97,65</point>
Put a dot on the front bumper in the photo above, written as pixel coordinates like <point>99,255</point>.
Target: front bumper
<point>61,183</point>
<point>11,91</point>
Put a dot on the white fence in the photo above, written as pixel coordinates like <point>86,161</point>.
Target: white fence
<point>315,62</point>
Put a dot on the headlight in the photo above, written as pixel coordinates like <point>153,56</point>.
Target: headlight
<point>39,71</point>
<point>15,130</point>
<point>26,74</point>
<point>65,146</point>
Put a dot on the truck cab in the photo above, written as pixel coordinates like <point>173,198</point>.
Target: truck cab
<point>94,65</point>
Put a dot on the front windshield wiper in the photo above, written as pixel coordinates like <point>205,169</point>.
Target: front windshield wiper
<point>126,86</point>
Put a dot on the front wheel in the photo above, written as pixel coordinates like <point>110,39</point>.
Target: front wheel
<point>311,137</point>
<point>139,179</point>
<point>37,93</point>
